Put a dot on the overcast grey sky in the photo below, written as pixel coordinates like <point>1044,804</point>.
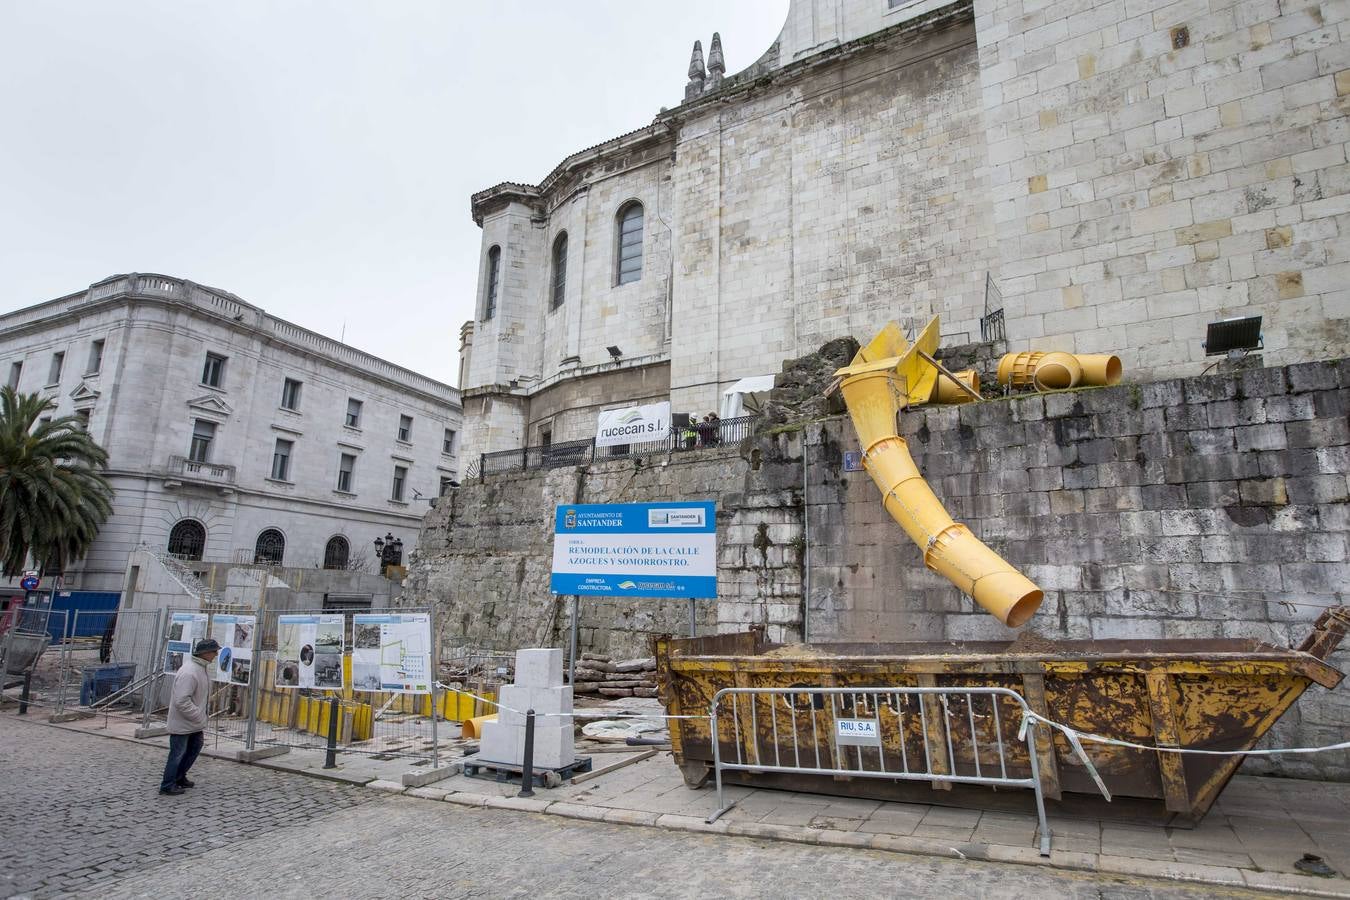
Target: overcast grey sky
<point>316,158</point>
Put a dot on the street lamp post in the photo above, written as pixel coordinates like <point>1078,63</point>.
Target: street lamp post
<point>389,551</point>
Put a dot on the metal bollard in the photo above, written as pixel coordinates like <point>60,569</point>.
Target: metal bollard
<point>527,769</point>
<point>330,758</point>
<point>27,689</point>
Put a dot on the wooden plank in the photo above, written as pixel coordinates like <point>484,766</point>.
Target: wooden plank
<point>1033,691</point>
<point>940,763</point>
<point>1166,734</point>
<point>943,370</point>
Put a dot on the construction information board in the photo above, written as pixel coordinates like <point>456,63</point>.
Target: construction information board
<point>234,661</point>
<point>185,630</point>
<point>635,550</point>
<point>309,651</point>
<point>392,653</point>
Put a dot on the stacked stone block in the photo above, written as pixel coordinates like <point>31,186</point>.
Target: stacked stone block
<point>538,686</point>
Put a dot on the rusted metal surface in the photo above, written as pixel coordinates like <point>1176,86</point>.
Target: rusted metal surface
<point>1199,694</point>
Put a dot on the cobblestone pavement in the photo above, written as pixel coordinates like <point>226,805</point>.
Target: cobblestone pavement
<point>80,816</point>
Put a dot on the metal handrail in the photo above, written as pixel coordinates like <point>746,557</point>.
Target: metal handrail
<point>933,719</point>
<point>697,436</point>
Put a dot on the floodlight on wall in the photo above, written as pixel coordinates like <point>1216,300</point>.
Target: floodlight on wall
<point>1234,337</point>
<point>615,352</point>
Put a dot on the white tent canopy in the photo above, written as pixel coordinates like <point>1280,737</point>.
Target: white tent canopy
<point>744,395</point>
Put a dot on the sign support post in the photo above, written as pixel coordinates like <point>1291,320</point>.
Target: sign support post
<point>572,656</point>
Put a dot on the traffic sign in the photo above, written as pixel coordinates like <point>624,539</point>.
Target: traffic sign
<point>29,581</point>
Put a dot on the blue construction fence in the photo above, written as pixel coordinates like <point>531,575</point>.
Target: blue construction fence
<point>88,603</point>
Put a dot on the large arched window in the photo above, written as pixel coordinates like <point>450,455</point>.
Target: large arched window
<point>559,271</point>
<point>187,539</point>
<point>629,250</point>
<point>270,549</point>
<point>494,271</point>
<point>336,553</point>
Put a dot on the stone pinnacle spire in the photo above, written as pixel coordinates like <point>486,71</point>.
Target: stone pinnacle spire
<point>717,66</point>
<point>696,73</point>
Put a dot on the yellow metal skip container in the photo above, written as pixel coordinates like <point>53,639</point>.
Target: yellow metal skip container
<point>1201,694</point>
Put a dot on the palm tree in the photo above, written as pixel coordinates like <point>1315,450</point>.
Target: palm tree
<point>53,496</point>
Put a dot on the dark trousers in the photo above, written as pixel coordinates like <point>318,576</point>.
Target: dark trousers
<point>183,750</point>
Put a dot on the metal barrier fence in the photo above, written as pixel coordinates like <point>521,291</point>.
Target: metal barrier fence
<point>25,661</point>
<point>104,652</point>
<point>698,435</point>
<point>262,701</point>
<point>933,734</point>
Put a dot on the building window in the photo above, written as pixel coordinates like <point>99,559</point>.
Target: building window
<point>82,418</point>
<point>290,394</point>
<point>270,548</point>
<point>187,539</point>
<point>213,372</point>
<point>400,479</point>
<point>203,436</point>
<point>58,363</point>
<point>95,358</point>
<point>448,442</point>
<point>405,428</point>
<point>494,268</point>
<point>44,421</point>
<point>346,472</point>
<point>336,552</point>
<point>281,460</point>
<point>15,373</point>
<point>353,413</point>
<point>629,266</point>
<point>559,271</point>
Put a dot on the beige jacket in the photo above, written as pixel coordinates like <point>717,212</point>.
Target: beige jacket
<point>191,687</point>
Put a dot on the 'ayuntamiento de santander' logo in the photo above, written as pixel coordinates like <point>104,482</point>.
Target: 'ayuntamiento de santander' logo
<point>570,519</point>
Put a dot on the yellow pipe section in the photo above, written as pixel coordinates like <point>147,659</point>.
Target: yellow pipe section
<point>875,392</point>
<point>473,728</point>
<point>950,393</point>
<point>1058,370</point>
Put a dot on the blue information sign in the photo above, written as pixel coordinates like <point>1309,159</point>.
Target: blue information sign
<point>635,550</point>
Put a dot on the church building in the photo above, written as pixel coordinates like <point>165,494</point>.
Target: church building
<point>1083,175</point>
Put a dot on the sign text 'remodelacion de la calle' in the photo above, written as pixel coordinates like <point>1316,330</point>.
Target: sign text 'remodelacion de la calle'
<point>635,550</point>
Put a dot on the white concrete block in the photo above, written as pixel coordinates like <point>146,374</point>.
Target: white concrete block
<point>540,667</point>
<point>501,743</point>
<point>517,699</point>
<point>554,745</point>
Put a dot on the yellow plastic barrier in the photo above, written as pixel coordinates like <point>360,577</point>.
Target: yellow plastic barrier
<point>875,390</point>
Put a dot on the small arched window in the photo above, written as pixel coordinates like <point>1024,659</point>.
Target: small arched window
<point>629,266</point>
<point>270,548</point>
<point>187,539</point>
<point>494,271</point>
<point>336,553</point>
<point>559,271</point>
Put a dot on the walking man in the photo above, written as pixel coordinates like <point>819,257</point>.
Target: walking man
<point>187,716</point>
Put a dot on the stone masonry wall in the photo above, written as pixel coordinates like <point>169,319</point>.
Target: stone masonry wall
<point>490,550</point>
<point>1155,165</point>
<point>1195,508</point>
<point>1192,508</point>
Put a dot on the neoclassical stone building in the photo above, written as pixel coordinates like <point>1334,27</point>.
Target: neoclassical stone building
<point>233,435</point>
<point>1110,174</point>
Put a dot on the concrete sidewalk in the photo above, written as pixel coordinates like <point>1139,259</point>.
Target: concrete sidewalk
<point>1253,837</point>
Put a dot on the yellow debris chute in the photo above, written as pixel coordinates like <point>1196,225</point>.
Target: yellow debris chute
<point>884,377</point>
